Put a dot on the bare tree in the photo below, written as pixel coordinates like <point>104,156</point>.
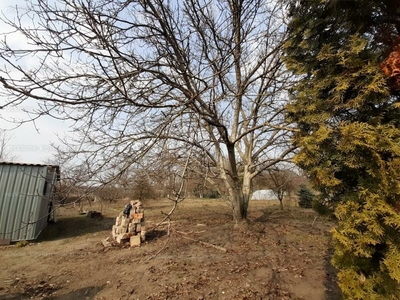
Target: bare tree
<point>142,186</point>
<point>151,79</point>
<point>280,182</point>
<point>5,152</point>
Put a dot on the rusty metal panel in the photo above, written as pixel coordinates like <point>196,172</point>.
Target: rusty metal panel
<point>24,200</point>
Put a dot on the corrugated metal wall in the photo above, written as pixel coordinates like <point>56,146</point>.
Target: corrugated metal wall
<point>23,205</point>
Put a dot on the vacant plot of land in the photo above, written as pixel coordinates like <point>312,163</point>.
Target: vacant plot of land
<point>277,255</point>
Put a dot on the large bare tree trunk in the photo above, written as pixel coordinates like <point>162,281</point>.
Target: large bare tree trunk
<point>239,187</point>
<point>240,199</point>
<point>238,208</point>
<point>246,188</point>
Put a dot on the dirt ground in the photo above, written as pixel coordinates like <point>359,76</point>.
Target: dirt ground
<point>277,255</point>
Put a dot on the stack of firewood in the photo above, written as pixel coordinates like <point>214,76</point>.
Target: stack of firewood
<point>130,228</point>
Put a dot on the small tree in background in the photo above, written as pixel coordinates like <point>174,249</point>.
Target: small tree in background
<point>142,187</point>
<point>306,197</point>
<point>280,182</point>
<point>5,152</point>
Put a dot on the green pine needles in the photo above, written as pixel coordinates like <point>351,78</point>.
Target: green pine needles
<point>347,112</point>
<point>306,197</point>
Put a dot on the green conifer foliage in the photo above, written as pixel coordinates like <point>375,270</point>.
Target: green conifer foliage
<point>306,197</point>
<point>347,112</point>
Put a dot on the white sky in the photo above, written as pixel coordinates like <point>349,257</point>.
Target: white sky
<point>28,144</point>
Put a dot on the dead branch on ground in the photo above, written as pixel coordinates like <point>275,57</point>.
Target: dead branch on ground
<point>201,242</point>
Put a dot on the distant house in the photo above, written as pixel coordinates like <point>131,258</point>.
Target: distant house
<point>26,199</point>
<point>264,195</point>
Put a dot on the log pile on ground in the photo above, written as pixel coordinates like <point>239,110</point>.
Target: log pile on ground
<point>129,225</point>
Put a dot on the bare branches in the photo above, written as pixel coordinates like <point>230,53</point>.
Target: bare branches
<point>135,75</point>
<point>5,152</point>
<point>203,243</point>
<point>178,197</point>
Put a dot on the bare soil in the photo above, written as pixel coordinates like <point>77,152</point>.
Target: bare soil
<point>276,255</point>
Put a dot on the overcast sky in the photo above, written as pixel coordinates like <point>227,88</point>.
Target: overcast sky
<point>28,144</point>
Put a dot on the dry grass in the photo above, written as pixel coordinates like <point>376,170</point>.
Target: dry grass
<point>276,255</point>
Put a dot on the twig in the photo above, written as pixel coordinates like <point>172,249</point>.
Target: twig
<point>186,233</point>
<point>204,243</point>
<point>159,251</point>
<point>315,219</point>
<point>178,198</point>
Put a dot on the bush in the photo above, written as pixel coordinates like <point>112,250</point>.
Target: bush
<point>21,244</point>
<point>322,207</point>
<point>305,197</point>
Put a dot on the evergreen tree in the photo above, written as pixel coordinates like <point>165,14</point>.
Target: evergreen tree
<point>305,197</point>
<point>346,107</point>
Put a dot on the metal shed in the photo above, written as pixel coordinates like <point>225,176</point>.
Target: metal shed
<point>26,199</point>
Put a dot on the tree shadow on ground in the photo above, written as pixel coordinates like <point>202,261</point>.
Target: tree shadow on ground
<point>75,226</point>
<point>272,217</point>
<point>155,234</point>
<point>86,293</point>
<point>14,296</point>
<point>277,288</point>
<point>332,289</point>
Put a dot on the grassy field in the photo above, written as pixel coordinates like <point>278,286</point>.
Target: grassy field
<point>276,255</point>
